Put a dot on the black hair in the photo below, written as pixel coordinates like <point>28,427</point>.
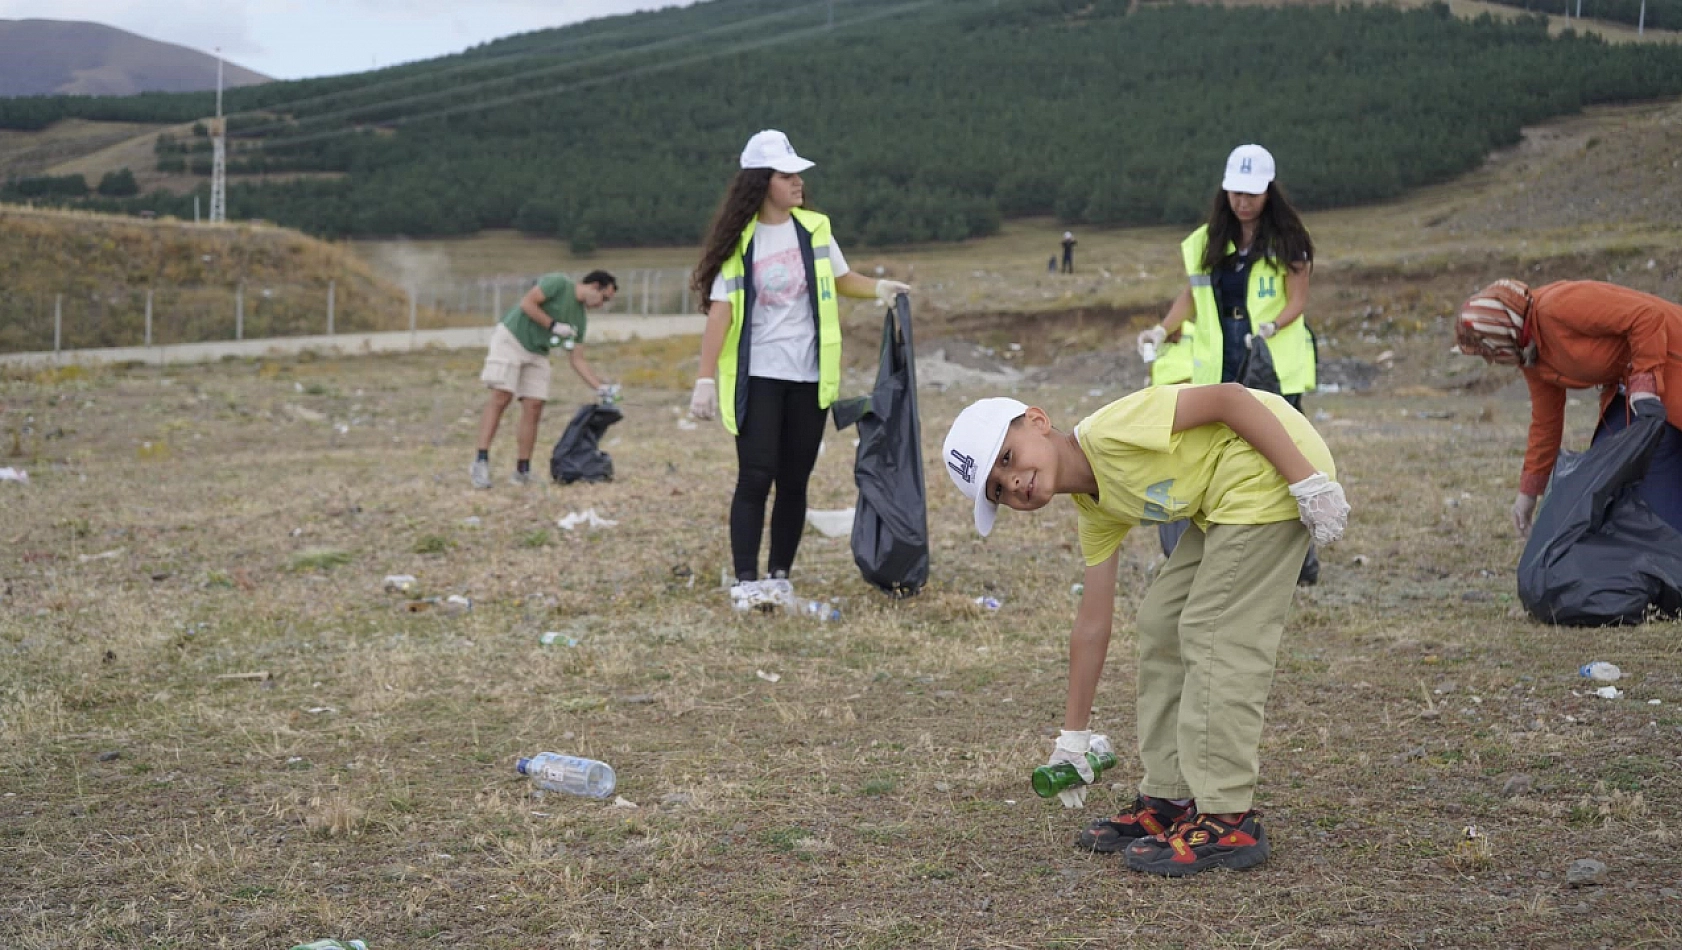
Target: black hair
<point>602,279</point>
<point>1280,235</point>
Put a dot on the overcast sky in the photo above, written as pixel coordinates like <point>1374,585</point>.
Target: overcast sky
<point>292,39</point>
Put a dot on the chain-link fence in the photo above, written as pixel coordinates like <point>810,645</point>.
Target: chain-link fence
<point>166,316</point>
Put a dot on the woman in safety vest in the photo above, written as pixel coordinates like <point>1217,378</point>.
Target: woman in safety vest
<point>1574,334</point>
<point>1248,273</point>
<point>771,351</point>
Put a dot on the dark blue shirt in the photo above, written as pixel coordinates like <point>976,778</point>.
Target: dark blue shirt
<point>1231,284</point>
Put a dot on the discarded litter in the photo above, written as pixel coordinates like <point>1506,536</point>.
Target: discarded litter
<point>453,604</point>
<point>687,424</point>
<point>988,603</point>
<point>832,524</point>
<point>570,774</point>
<point>819,610</point>
<point>400,583</point>
<point>9,474</point>
<point>1600,671</point>
<point>1655,702</point>
<point>586,517</point>
<point>1360,560</point>
<point>553,637</point>
<point>768,677</point>
<point>101,556</point>
<point>331,944</point>
<point>471,522</point>
<point>620,801</point>
<point>1609,692</point>
<point>1077,589</point>
<point>457,604</point>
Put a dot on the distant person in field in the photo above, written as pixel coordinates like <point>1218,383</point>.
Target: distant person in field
<point>1069,243</point>
<point>1247,271</point>
<point>1575,334</point>
<point>517,365</point>
<point>771,352</point>
<point>1256,482</point>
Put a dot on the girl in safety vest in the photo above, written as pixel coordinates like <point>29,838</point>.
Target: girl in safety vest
<point>771,351</point>
<point>1247,271</point>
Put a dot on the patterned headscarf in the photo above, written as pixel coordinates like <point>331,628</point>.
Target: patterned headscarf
<point>1492,325</point>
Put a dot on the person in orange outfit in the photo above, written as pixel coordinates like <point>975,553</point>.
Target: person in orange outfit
<point>1574,334</point>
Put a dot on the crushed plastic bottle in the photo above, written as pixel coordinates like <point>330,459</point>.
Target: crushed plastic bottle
<point>988,603</point>
<point>819,610</point>
<point>570,774</point>
<point>1600,671</point>
<point>553,637</point>
<point>400,583</point>
<point>331,944</point>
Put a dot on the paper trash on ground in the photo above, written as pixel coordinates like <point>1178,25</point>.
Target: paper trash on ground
<point>586,517</point>
<point>9,474</point>
<point>768,677</point>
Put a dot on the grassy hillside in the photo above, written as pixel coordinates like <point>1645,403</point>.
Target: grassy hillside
<point>932,121</point>
<point>62,57</point>
<point>103,267</point>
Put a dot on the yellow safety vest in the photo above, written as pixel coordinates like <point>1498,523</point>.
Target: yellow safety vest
<point>1173,360</point>
<point>1292,346</point>
<point>812,231</point>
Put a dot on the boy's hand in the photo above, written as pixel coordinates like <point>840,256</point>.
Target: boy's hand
<point>1322,507</point>
<point>1071,749</point>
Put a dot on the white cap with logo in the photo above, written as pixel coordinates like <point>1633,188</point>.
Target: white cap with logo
<point>771,149</point>
<point>1249,169</point>
<point>972,446</point>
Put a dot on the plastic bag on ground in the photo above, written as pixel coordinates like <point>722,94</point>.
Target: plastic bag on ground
<point>831,524</point>
<point>1597,554</point>
<point>578,455</point>
<point>891,524</point>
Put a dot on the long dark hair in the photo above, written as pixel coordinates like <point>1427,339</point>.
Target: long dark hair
<point>741,202</point>
<point>1280,236</point>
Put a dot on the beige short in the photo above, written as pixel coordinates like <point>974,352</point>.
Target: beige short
<point>512,368</point>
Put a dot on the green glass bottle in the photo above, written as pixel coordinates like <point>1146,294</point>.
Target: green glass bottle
<point>1051,779</point>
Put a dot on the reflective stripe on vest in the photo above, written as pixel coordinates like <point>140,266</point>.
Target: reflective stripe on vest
<point>813,234</point>
<point>1292,346</point>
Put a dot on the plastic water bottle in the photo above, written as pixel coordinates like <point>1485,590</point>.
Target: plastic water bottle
<point>821,611</point>
<point>1051,779</point>
<point>571,774</point>
<point>331,944</point>
<point>1147,352</point>
<point>1600,671</point>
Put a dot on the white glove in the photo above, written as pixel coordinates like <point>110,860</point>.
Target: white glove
<point>562,330</point>
<point>887,290</point>
<point>1524,512</point>
<point>1072,746</point>
<point>1155,337</point>
<point>1321,505</point>
<point>1268,329</point>
<point>607,392</point>
<point>703,402</point>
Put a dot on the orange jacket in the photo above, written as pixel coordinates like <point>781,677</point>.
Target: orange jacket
<point>1592,334</point>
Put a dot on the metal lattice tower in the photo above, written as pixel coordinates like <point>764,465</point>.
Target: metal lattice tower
<point>219,156</point>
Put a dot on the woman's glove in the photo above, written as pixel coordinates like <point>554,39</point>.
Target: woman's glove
<point>1072,746</point>
<point>887,290</point>
<point>1321,505</point>
<point>703,402</point>
<point>1155,337</point>
<point>1524,512</point>
<point>1267,330</point>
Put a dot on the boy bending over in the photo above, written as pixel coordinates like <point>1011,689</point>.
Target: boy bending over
<point>1256,481</point>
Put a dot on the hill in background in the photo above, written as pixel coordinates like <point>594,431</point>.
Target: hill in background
<point>66,57</point>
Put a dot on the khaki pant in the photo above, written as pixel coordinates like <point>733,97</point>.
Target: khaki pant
<point>1209,632</point>
<point>512,368</point>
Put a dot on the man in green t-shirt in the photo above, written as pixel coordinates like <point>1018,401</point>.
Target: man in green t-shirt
<point>517,365</point>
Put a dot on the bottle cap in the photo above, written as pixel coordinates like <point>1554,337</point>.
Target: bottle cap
<point>521,765</point>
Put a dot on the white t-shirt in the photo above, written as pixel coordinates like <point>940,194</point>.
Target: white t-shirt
<point>785,338</point>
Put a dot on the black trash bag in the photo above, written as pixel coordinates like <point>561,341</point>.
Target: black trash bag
<point>1597,554</point>
<point>578,456</point>
<point>891,524</point>
<point>1257,370</point>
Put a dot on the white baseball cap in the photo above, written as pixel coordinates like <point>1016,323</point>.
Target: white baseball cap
<point>770,149</point>
<point>1249,169</point>
<point>972,446</point>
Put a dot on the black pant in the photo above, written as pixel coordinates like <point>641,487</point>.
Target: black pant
<point>777,444</point>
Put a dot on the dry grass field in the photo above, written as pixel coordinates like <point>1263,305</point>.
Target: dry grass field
<point>183,529</point>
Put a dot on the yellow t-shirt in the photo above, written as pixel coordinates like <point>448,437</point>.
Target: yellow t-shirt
<point>1149,474</point>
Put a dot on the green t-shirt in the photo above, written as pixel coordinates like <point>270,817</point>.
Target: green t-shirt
<point>559,303</point>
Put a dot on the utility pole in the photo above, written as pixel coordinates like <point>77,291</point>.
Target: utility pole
<point>219,155</point>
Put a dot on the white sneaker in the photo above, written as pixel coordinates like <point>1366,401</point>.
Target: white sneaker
<point>480,472</point>
<point>520,478</point>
